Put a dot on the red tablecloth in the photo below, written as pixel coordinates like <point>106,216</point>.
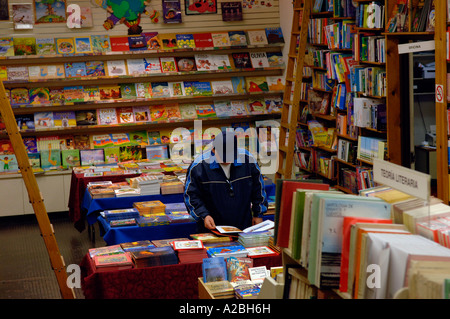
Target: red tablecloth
<point>162,282</point>
<point>78,185</point>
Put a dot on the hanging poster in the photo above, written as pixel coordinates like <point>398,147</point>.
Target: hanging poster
<point>49,11</point>
<point>200,6</point>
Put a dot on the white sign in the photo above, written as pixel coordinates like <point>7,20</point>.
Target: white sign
<point>439,93</point>
<point>416,47</point>
<point>406,180</point>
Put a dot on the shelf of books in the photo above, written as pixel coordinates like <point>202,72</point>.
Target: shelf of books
<point>100,90</point>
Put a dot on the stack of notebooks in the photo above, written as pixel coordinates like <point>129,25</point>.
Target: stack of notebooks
<point>190,251</point>
<point>148,185</point>
<point>153,220</point>
<point>154,256</point>
<point>173,187</point>
<point>150,207</point>
<point>254,239</point>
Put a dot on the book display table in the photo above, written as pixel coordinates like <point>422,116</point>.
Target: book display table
<point>178,281</point>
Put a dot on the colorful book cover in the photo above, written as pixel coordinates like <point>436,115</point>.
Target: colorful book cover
<point>88,117</point>
<point>203,40</point>
<point>43,120</point>
<point>17,73</point>
<point>275,59</point>
<point>70,158</point>
<point>65,45</point>
<point>136,67</point>
<point>137,43</point>
<point>259,60</point>
<point>92,157</point>
<point>185,41</point>
<point>176,89</point>
<point>138,138</point>
<point>57,96</point>
<point>274,104</point>
<point>154,137</point>
<point>64,118</point>
<point>274,35</point>
<point>220,39</point>
<point>75,69</point>
<point>125,115</point>
<point>205,110</point>
<point>141,113</point>
<point>25,122</point>
<point>222,87</point>
<point>152,65</point>
<point>120,139</point>
<point>202,88</point>
<point>50,158</point>
<point>81,142</point>
<point>239,107</point>
<point>6,46</point>
<point>111,92</point>
<point>8,163</point>
<point>143,90</point>
<point>107,116</point>
<point>173,111</point>
<point>238,268</point>
<point>95,68</point>
<point>3,73</point>
<point>91,93</point>
<point>111,154</point>
<point>257,37</point>
<point>168,40</point>
<point>231,11</point>
<point>158,113</point>
<point>222,61</point>
<point>83,45</point>
<point>101,140</point>
<point>168,64</point>
<point>119,43</point>
<point>157,152</point>
<point>256,106</point>
<point>128,91</point>
<point>116,68</point>
<point>73,94</point>
<point>223,108</point>
<point>256,84</point>
<point>171,11</point>
<point>186,64</point>
<point>39,96</point>
<point>30,142</point>
<point>205,62</point>
<point>153,41</point>
<point>6,147</point>
<point>131,153</point>
<point>100,43</point>
<point>19,97</point>
<point>238,83</point>
<point>35,159</point>
<point>188,111</point>
<point>160,89</point>
<point>24,46</point>
<point>275,83</point>
<point>237,38</point>
<point>242,60</point>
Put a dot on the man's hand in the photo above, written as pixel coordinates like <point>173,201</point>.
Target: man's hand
<point>209,222</point>
<point>256,220</point>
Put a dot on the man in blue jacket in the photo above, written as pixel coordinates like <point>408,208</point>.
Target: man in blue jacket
<point>224,186</point>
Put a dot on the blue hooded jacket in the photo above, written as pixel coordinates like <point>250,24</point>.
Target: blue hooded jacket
<point>230,202</point>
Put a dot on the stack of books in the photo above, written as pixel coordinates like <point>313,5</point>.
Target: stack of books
<point>113,262</point>
<point>254,239</point>
<point>173,187</point>
<point>247,291</point>
<point>175,207</point>
<point>150,207</point>
<point>153,220</point>
<point>117,214</point>
<point>209,238</point>
<point>127,191</point>
<point>179,217</point>
<point>228,251</point>
<point>190,251</point>
<point>123,222</point>
<point>148,185</point>
<point>154,256</point>
<point>220,289</point>
<point>137,245</point>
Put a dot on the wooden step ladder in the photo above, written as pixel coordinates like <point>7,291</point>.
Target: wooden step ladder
<point>294,78</point>
<point>34,194</point>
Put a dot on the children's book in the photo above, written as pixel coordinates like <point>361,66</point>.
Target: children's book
<point>111,92</point>
<point>205,62</point>
<point>256,106</point>
<point>136,67</point>
<point>188,111</point>
<point>24,46</point>
<point>202,88</point>
<point>143,90</point>
<point>186,64</point>
<point>107,116</point>
<point>91,93</point>
<point>56,95</point>
<point>154,137</point>
<point>6,147</point>
<point>17,73</point>
<point>19,97</point>
<point>119,43</point>
<point>238,83</point>
<point>138,138</point>
<point>70,158</point>
<point>141,114</point>
<point>39,96</point>
<point>92,157</point>
<point>81,142</point>
<point>120,139</point>
<point>125,115</point>
<point>237,38</point>
<point>223,108</point>
<point>128,91</point>
<point>176,89</point>
<point>222,87</point>
<point>111,154</point>
<point>168,40</point>
<point>88,117</point>
<point>231,11</point>
<point>152,65</point>
<point>137,43</point>
<point>43,120</point>
<point>65,45</point>
<point>160,89</point>
<point>101,140</point>
<point>203,40</point>
<point>100,43</point>
<point>259,60</point>
<point>205,110</point>
<point>238,268</point>
<point>75,69</point>
<point>222,61</point>
<point>45,46</point>
<point>274,35</point>
<point>3,73</point>
<point>83,45</point>
<point>25,122</point>
<point>239,107</point>
<point>153,41</point>
<point>214,269</point>
<point>35,159</point>
<point>275,59</point>
<point>257,37</point>
<point>64,118</point>
<point>158,113</point>
<point>274,104</point>
<point>171,11</point>
<point>275,83</point>
<point>8,163</point>
<point>30,142</point>
<point>168,64</point>
<point>242,60</point>
<point>50,158</point>
<point>157,152</point>
<point>173,112</point>
<point>95,68</point>
<point>131,153</point>
<point>73,94</point>
<point>220,39</point>
<point>185,41</point>
<point>116,67</point>
<point>256,84</point>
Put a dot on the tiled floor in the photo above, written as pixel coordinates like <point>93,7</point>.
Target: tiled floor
<point>25,268</point>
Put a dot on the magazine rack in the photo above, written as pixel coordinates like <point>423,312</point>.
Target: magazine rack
<point>34,195</point>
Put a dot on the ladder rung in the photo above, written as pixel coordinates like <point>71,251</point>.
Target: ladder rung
<point>285,125</point>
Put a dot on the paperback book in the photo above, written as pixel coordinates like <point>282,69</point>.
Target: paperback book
<point>64,118</point>
<point>45,46</point>
<point>152,65</point>
<point>136,67</point>
<point>160,89</point>
<point>116,68</point>
<point>86,117</point>
<point>95,68</point>
<point>65,46</point>
<point>73,94</point>
<point>168,64</point>
<point>100,43</point>
<point>185,41</point>
<point>237,38</point>
<point>107,116</point>
<point>186,64</point>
